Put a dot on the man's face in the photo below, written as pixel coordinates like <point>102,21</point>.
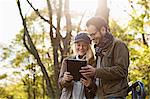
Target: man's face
<point>95,34</point>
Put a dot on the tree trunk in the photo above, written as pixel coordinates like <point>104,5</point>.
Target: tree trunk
<point>55,42</point>
<point>67,39</point>
<point>32,49</point>
<point>103,10</point>
<point>43,87</point>
<point>34,79</point>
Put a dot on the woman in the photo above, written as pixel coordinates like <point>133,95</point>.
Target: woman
<point>85,88</point>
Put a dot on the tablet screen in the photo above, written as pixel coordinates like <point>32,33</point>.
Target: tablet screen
<point>73,66</point>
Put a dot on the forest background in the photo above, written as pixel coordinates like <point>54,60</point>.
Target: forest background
<point>30,63</point>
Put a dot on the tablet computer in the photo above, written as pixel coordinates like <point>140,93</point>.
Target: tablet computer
<point>73,66</point>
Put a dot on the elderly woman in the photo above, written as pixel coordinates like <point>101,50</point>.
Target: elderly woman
<point>85,88</point>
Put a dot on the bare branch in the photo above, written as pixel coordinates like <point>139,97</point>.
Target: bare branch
<point>25,29</point>
<point>37,12</point>
<point>24,42</point>
<point>78,28</point>
<point>49,57</point>
<point>144,40</point>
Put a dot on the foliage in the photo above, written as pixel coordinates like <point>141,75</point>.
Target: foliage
<point>139,68</point>
<point>18,57</point>
<point>140,65</point>
<point>3,76</point>
<point>139,50</point>
<point>3,92</point>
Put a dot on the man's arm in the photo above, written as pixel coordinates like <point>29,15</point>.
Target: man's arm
<point>118,71</point>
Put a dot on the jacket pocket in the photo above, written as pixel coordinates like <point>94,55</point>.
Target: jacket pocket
<point>109,86</point>
<point>114,87</point>
<point>66,94</point>
<point>107,61</point>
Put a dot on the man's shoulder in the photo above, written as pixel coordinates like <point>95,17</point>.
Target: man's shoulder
<point>118,41</point>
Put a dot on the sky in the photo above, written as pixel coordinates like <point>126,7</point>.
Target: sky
<point>9,20</point>
<point>11,23</point>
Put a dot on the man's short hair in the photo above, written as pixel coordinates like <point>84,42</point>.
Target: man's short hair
<point>98,22</point>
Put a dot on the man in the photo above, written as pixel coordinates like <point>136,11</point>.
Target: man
<point>112,61</point>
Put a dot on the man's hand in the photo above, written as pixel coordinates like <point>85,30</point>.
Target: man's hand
<point>67,76</point>
<point>86,82</point>
<point>88,71</point>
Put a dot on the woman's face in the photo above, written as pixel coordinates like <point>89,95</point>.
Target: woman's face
<point>81,48</point>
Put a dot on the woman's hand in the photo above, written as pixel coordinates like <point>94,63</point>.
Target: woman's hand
<point>67,76</point>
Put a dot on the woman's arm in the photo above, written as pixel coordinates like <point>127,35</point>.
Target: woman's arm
<point>65,79</point>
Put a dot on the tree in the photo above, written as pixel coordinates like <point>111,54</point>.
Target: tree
<point>58,43</point>
<point>102,10</point>
<point>139,17</point>
<point>32,49</point>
